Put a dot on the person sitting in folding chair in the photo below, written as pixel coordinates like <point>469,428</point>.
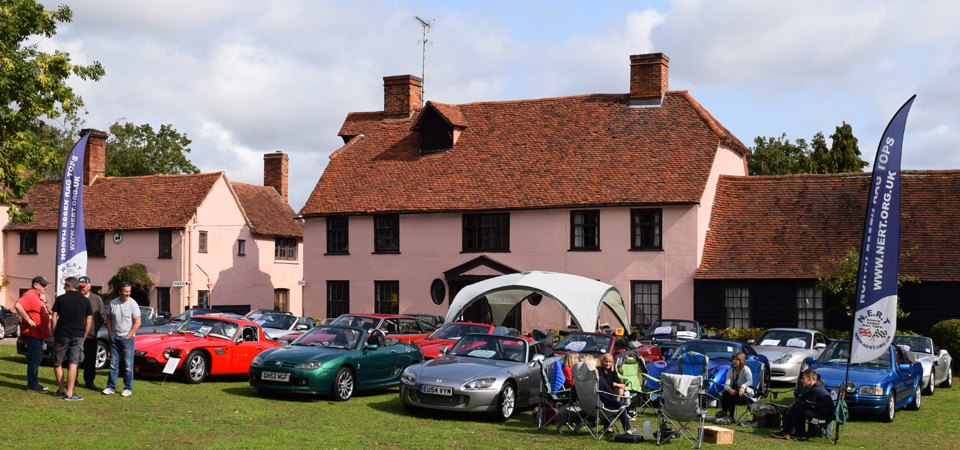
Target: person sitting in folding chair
<point>816,402</point>
<point>738,387</point>
<point>608,397</point>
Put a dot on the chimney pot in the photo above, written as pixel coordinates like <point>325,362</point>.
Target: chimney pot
<point>401,96</point>
<point>275,169</point>
<point>649,77</point>
<point>94,156</point>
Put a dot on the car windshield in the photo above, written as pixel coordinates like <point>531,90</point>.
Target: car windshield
<point>367,323</point>
<point>190,313</point>
<point>209,327</point>
<point>490,347</point>
<point>716,351</point>
<point>585,343</point>
<point>331,337</point>
<point>681,328</point>
<point>785,338</point>
<point>456,330</point>
<point>145,320</point>
<point>280,321</point>
<point>916,344</point>
<point>838,352</point>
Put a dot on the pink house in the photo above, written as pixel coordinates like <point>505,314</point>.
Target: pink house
<point>236,246</point>
<point>420,202</point>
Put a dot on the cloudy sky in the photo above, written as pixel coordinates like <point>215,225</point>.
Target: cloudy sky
<point>243,78</point>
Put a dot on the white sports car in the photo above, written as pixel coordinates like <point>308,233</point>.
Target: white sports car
<point>786,348</point>
<point>937,363</point>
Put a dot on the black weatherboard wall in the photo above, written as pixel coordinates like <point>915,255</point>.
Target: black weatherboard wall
<point>772,304</point>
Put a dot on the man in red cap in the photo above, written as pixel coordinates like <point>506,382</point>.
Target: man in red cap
<point>35,319</point>
<point>90,356</point>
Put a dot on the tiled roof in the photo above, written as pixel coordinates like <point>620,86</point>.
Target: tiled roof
<point>124,203</point>
<point>587,150</point>
<point>450,112</point>
<point>267,212</point>
<point>783,226</point>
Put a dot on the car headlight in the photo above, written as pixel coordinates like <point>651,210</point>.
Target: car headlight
<point>850,387</point>
<point>870,390</point>
<point>783,358</point>
<point>408,377</point>
<point>171,353</point>
<point>479,383</point>
<point>283,342</point>
<point>310,365</point>
<point>257,360</point>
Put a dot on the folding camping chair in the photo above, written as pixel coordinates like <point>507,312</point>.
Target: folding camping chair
<point>759,390</point>
<point>634,374</point>
<point>593,414</point>
<point>552,395</point>
<point>817,427</point>
<point>683,405</point>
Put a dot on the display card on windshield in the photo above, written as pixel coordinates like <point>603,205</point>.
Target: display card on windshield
<point>662,330</point>
<point>576,346</point>
<point>798,343</point>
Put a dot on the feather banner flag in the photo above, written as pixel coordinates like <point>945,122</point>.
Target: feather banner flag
<point>71,239</point>
<point>875,316</point>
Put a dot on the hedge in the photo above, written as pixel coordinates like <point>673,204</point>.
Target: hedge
<point>946,335</point>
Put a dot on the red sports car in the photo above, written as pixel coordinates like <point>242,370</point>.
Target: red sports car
<point>203,345</point>
<point>448,335</point>
<point>598,344</point>
<point>396,326</point>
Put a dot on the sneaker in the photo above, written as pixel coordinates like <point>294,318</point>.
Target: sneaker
<point>779,435</point>
<point>72,398</point>
<point>800,436</point>
<point>108,391</point>
<point>60,394</point>
<point>91,386</point>
<point>126,393</point>
<point>37,388</point>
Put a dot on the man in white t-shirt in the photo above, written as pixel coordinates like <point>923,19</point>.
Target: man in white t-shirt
<point>123,319</point>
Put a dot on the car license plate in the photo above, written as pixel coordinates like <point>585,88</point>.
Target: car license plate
<point>436,390</point>
<point>834,394</point>
<point>274,376</point>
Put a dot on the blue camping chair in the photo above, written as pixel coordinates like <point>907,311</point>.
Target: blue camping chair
<point>552,394</point>
<point>758,390</point>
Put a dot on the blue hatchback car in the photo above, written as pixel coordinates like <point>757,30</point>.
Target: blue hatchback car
<point>720,353</point>
<point>880,386</point>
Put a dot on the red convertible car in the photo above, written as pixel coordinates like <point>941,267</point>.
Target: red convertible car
<point>203,345</point>
<point>598,344</point>
<point>396,326</point>
<point>450,333</point>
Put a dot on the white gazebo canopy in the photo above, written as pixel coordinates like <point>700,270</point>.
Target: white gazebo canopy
<point>581,297</point>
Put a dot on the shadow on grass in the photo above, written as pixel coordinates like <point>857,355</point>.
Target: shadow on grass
<point>522,420</point>
<point>299,397</point>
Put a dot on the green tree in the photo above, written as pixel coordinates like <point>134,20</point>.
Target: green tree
<point>842,281</point>
<point>778,156</point>
<point>135,150</point>
<point>32,86</point>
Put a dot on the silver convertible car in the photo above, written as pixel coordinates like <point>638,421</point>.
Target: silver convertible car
<point>481,373</point>
<point>937,363</point>
<point>786,349</point>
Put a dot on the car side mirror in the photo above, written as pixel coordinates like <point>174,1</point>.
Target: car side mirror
<point>943,352</point>
<point>370,347</point>
<point>903,367</point>
<point>819,346</point>
<point>810,360</point>
<point>667,354</point>
<point>302,326</point>
<point>538,357</point>
<point>444,350</point>
<point>750,341</point>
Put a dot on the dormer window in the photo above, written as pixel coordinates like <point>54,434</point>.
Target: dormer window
<point>438,128</point>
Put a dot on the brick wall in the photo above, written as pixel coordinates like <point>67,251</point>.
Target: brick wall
<point>95,157</point>
<point>401,96</point>
<point>275,169</point>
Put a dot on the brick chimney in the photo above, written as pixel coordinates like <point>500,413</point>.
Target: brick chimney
<point>275,167</point>
<point>401,96</point>
<point>648,79</point>
<point>95,156</point>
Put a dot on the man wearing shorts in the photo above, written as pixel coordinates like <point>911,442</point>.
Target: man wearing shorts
<point>72,320</point>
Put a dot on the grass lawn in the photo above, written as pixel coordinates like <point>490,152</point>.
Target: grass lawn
<point>225,413</point>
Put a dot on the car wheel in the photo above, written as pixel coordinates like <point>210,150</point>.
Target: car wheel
<point>16,331</point>
<point>3,331</point>
<point>915,404</point>
<point>194,369</point>
<point>932,385</point>
<point>506,401</point>
<point>948,383</point>
<point>101,356</point>
<point>891,409</point>
<point>343,384</point>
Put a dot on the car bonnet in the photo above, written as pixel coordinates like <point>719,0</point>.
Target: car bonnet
<point>463,367</point>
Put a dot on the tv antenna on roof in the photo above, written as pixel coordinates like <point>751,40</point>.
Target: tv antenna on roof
<point>427,25</point>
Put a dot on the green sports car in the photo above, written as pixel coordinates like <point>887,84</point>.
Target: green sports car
<point>335,360</point>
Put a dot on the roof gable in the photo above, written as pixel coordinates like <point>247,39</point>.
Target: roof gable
<point>267,213</point>
<point>591,150</point>
<point>124,203</point>
<point>784,226</point>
